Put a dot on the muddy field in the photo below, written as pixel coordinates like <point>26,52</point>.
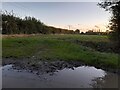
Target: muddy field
<point>56,74</point>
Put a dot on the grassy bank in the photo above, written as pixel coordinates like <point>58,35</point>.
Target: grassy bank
<point>59,47</point>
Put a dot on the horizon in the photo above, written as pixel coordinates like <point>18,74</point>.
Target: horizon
<point>67,15</point>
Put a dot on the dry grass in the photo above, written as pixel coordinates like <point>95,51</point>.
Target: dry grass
<point>17,35</point>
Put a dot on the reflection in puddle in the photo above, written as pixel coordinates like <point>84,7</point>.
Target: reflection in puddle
<point>80,77</point>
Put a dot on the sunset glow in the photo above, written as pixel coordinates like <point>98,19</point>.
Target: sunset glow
<point>68,15</point>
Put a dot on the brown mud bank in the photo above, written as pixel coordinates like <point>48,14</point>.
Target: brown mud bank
<point>46,66</point>
<point>41,66</point>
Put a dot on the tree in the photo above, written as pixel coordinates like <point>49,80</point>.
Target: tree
<point>113,6</point>
<point>82,32</point>
<point>77,31</point>
<point>29,25</point>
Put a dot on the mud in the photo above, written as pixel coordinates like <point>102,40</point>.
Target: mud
<point>41,66</point>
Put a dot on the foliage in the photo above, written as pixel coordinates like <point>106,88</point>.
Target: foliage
<point>29,25</point>
<point>114,7</point>
<point>77,31</point>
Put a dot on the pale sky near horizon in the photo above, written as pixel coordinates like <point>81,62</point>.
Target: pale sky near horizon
<point>79,15</point>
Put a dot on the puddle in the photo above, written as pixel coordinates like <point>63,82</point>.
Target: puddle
<point>79,77</point>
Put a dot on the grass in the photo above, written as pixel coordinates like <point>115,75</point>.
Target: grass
<point>58,47</point>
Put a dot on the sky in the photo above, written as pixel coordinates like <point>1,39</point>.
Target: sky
<point>69,15</point>
<point>50,0</point>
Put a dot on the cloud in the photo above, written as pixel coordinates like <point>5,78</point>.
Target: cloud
<point>83,27</point>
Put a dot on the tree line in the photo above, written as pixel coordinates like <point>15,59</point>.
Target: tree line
<point>12,24</point>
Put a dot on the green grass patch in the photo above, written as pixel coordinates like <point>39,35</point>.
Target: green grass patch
<point>59,47</point>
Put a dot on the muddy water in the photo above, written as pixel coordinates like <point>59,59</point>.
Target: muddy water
<point>80,77</point>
